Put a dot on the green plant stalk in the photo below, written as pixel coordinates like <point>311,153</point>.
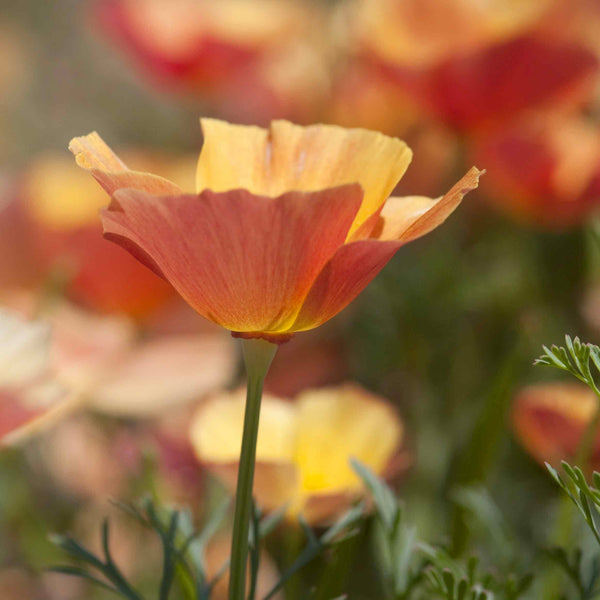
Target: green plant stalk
<point>565,515</point>
<point>258,355</point>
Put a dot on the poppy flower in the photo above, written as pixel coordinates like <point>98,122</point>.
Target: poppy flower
<point>304,447</point>
<point>544,171</point>
<point>123,374</point>
<point>475,65</point>
<point>263,50</point>
<point>550,420</point>
<point>29,398</point>
<point>287,227</point>
<point>61,207</point>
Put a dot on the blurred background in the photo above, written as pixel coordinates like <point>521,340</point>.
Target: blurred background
<point>445,336</point>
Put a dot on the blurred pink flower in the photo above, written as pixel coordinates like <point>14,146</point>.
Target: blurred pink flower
<point>30,397</point>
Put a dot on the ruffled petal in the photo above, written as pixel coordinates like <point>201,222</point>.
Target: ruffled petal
<point>411,217</point>
<point>245,262</point>
<point>94,155</point>
<point>355,264</point>
<point>290,157</point>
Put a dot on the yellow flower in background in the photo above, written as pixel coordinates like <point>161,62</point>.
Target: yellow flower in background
<point>304,447</point>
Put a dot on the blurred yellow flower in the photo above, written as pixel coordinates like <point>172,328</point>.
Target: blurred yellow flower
<point>304,447</point>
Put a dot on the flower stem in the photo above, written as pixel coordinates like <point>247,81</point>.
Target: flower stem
<point>258,355</point>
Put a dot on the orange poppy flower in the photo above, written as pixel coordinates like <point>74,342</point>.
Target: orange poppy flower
<point>61,207</point>
<point>472,64</point>
<point>288,226</point>
<point>550,420</point>
<point>339,422</point>
<point>265,50</point>
<point>544,171</point>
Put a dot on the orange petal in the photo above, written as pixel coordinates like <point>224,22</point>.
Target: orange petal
<point>290,157</point>
<point>355,264</point>
<point>545,171</point>
<point>347,274</point>
<point>411,217</point>
<point>93,154</point>
<point>550,420</point>
<point>245,262</point>
<point>501,81</point>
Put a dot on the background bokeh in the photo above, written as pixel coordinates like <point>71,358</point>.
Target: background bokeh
<point>447,333</point>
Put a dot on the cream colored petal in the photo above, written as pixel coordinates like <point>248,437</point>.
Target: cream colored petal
<point>336,424</point>
<point>49,404</point>
<point>399,213</point>
<point>322,509</point>
<point>24,349</point>
<point>94,155</point>
<point>412,217</point>
<point>291,157</point>
<point>276,484</point>
<point>163,373</point>
<point>216,430</point>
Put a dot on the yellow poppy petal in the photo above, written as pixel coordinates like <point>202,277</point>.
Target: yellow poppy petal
<point>291,157</point>
<point>94,155</point>
<point>216,430</point>
<point>341,423</point>
<point>410,217</point>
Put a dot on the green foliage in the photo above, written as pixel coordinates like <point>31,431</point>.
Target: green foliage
<point>587,500</point>
<point>585,581</point>
<point>345,527</point>
<point>575,358</point>
<point>452,579</point>
<point>397,540</point>
<point>413,569</point>
<point>184,550</point>
<point>183,553</point>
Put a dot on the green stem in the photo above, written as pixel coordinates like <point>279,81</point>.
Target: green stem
<point>258,355</point>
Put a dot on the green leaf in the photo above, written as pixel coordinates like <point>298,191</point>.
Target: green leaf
<point>385,501</point>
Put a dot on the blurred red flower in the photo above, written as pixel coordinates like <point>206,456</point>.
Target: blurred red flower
<point>544,171</point>
<point>550,420</point>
